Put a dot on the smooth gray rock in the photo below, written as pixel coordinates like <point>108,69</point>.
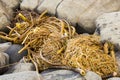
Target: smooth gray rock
<point>114,78</point>
<point>108,26</point>
<point>49,5</point>
<point>20,67</point>
<point>4,60</point>
<point>26,75</point>
<point>29,4</point>
<point>53,74</point>
<point>5,46</point>
<point>92,76</point>
<point>14,56</point>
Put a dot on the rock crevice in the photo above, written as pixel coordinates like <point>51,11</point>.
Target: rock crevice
<point>56,13</point>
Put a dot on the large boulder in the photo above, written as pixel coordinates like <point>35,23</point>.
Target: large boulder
<point>108,26</point>
<point>26,75</point>
<point>79,12</point>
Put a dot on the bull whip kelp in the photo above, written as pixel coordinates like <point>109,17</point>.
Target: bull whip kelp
<point>53,43</point>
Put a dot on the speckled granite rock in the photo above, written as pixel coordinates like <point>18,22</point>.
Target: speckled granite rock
<point>108,26</point>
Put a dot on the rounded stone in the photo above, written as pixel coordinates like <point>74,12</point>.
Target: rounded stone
<point>14,56</point>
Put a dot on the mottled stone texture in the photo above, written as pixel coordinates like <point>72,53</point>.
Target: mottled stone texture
<point>108,26</point>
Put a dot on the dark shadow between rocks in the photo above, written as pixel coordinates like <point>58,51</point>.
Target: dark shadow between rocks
<point>80,30</point>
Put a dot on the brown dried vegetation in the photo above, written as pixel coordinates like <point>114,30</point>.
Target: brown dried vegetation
<point>53,43</point>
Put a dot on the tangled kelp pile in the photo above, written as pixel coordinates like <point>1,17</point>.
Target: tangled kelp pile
<point>52,42</point>
<point>87,52</point>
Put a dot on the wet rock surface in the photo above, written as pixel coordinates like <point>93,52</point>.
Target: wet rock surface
<point>14,56</point>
